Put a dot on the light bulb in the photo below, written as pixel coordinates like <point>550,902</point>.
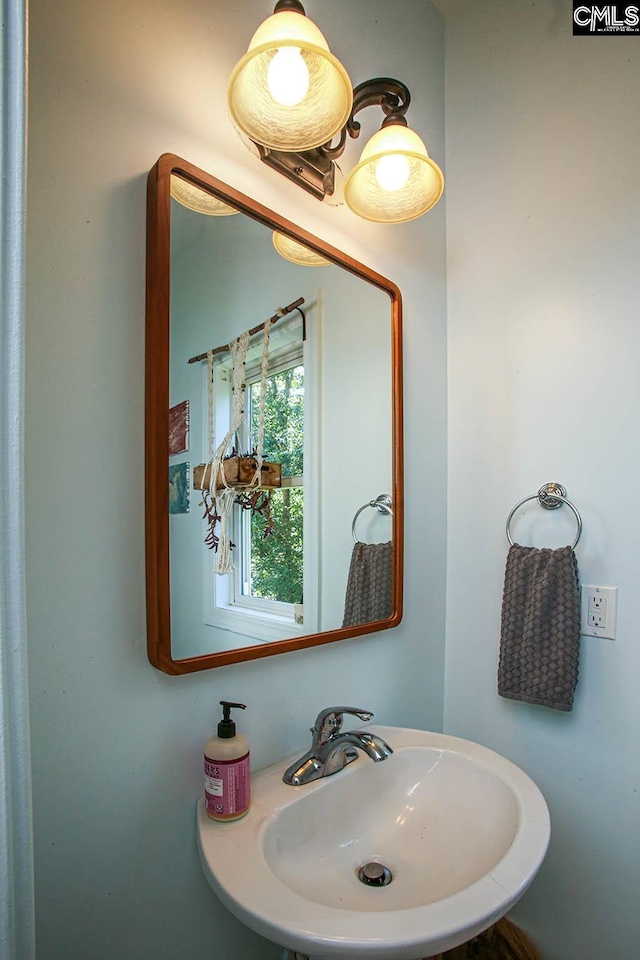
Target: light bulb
<point>392,171</point>
<point>288,77</point>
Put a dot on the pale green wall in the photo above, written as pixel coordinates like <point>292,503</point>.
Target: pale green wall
<point>543,216</point>
<point>117,745</point>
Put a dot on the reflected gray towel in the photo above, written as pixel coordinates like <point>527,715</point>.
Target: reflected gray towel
<point>368,595</point>
<point>540,634</point>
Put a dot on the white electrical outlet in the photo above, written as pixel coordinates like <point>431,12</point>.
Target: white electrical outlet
<point>598,616</point>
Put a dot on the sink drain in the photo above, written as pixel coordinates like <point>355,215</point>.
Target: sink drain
<point>374,874</point>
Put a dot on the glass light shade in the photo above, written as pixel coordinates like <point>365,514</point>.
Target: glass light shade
<point>289,92</point>
<point>297,252</point>
<point>395,180</point>
<point>196,199</point>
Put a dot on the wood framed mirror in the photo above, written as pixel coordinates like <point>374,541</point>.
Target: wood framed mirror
<point>316,551</point>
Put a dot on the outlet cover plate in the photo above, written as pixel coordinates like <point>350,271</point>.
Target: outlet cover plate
<point>603,600</point>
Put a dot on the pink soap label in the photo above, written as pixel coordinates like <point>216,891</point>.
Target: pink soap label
<point>226,785</point>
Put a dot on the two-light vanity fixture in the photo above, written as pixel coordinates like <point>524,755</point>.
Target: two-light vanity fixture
<point>292,98</point>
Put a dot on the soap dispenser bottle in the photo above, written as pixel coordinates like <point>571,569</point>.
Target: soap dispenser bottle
<point>227,790</point>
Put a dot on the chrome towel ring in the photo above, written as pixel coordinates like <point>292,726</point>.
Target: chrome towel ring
<point>550,496</point>
<point>383,504</point>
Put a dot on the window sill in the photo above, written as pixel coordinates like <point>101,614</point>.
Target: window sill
<point>260,626</point>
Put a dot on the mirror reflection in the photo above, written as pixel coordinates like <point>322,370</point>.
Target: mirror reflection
<point>282,422</point>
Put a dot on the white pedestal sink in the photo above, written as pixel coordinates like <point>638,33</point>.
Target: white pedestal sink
<point>462,830</point>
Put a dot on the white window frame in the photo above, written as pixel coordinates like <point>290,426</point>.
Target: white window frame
<point>268,620</point>
<point>242,518</point>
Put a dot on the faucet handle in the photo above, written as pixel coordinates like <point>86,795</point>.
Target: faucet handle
<point>329,721</point>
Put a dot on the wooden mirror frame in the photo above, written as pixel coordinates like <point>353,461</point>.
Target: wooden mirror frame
<point>157,419</point>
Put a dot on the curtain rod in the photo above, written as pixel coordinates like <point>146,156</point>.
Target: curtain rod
<point>282,312</point>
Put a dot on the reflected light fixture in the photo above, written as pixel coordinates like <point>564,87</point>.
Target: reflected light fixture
<point>293,98</point>
<point>196,199</point>
<point>297,252</point>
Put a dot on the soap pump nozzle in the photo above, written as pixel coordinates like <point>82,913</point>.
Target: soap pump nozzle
<point>227,727</point>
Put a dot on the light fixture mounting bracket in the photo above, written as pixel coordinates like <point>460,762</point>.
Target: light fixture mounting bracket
<point>294,6</point>
<point>314,170</point>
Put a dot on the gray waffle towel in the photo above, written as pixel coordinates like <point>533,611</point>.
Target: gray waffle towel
<point>540,635</point>
<point>368,595</point>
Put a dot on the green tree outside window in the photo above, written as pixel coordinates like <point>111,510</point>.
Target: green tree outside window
<point>276,563</point>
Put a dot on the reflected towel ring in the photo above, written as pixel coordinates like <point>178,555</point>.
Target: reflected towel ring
<point>550,496</point>
<point>382,503</point>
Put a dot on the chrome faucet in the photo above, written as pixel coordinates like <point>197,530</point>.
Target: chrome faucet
<point>331,749</point>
